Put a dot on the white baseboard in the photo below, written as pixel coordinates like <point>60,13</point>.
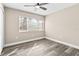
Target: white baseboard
<point>23,41</point>
<point>65,43</point>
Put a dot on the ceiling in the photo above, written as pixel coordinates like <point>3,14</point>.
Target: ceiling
<point>51,7</point>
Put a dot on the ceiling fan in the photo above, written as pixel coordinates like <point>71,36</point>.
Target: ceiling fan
<point>37,5</point>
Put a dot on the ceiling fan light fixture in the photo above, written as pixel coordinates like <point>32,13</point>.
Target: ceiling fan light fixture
<point>37,6</point>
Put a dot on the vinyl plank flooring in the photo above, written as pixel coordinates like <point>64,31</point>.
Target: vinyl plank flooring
<point>43,47</point>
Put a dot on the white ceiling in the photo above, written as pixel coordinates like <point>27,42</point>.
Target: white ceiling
<point>51,7</point>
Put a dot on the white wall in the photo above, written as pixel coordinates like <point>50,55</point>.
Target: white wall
<point>1,27</point>
<point>12,26</point>
<point>64,25</point>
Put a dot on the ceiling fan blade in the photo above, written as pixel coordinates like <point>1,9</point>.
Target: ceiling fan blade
<point>29,5</point>
<point>43,8</point>
<point>43,4</point>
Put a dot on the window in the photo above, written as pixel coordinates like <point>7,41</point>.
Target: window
<point>30,24</point>
<point>22,24</point>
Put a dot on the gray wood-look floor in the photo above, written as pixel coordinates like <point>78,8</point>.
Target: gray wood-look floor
<point>43,47</point>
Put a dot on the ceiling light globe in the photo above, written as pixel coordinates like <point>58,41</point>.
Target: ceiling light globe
<point>37,6</point>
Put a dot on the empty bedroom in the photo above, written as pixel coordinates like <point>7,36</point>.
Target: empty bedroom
<point>39,29</point>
